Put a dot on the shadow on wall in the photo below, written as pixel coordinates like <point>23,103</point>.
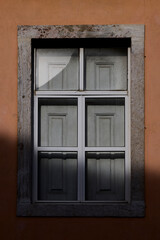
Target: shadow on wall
<point>8,183</point>
<point>8,179</point>
<point>8,170</point>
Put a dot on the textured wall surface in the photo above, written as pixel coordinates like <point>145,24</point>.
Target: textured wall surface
<point>75,12</point>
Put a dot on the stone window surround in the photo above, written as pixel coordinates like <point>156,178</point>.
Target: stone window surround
<point>25,206</point>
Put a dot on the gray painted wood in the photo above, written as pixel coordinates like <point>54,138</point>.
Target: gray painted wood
<point>105,178</point>
<point>57,69</point>
<point>106,69</point>
<point>58,126</point>
<point>57,178</point>
<point>105,125</point>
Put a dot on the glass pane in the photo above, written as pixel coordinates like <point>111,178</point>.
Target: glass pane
<point>106,69</point>
<point>105,122</point>
<point>57,176</point>
<point>57,69</point>
<point>58,122</point>
<point>105,176</point>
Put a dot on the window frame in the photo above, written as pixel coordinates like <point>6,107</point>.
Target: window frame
<point>135,204</point>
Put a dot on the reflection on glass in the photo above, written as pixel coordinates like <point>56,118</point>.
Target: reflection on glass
<point>105,176</point>
<point>57,69</point>
<point>106,69</point>
<point>57,176</point>
<point>58,122</point>
<point>105,122</point>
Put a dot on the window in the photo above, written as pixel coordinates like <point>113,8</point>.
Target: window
<point>83,98</point>
<point>81,124</point>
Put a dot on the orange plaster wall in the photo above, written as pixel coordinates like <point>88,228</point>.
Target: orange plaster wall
<point>71,12</point>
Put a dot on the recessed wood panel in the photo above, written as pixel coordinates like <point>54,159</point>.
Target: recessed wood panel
<point>55,176</point>
<point>56,129</point>
<point>104,130</point>
<point>104,76</point>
